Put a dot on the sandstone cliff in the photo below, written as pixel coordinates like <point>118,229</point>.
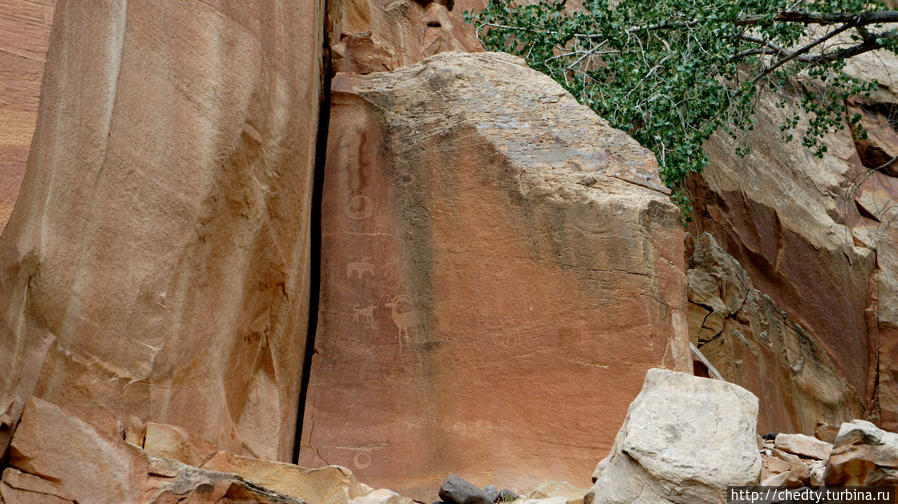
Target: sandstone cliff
<point>498,267</point>
<point>156,263</point>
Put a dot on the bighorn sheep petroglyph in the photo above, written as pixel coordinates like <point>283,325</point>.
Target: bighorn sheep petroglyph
<point>405,320</point>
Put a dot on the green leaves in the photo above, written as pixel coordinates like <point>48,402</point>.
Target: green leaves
<point>672,72</point>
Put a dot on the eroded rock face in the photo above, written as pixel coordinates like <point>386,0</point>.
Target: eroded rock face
<point>58,458</point>
<point>754,343</point>
<point>489,246</point>
<point>779,213</point>
<point>155,265</point>
<point>382,35</point>
<point>25,28</point>
<point>685,439</point>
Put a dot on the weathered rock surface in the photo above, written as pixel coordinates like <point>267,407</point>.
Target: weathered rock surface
<point>863,454</point>
<point>754,343</point>
<point>488,245</point>
<point>58,458</point>
<point>456,490</point>
<point>779,213</point>
<point>325,485</point>
<point>24,36</point>
<point>685,439</point>
<point>806,446</point>
<point>156,261</point>
<point>570,493</point>
<point>382,35</point>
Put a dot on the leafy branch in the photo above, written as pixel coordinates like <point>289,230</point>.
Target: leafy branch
<point>673,72</point>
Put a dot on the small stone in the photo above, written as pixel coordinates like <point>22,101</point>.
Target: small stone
<point>492,493</point>
<point>806,446</point>
<point>456,490</point>
<point>506,495</point>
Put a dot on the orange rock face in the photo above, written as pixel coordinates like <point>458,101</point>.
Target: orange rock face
<point>24,36</point>
<point>155,265</point>
<point>500,268</point>
<point>780,213</point>
<point>381,35</point>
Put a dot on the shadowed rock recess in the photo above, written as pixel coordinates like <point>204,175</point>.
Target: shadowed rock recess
<point>501,294</point>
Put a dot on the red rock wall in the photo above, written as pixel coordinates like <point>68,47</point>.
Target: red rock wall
<point>492,293</point>
<point>156,264</point>
<point>24,36</point>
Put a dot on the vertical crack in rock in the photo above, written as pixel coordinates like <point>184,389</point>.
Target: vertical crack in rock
<point>315,226</point>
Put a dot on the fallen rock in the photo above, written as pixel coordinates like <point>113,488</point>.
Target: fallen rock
<point>826,432</point>
<point>381,496</point>
<point>456,490</point>
<point>783,469</point>
<point>462,258</point>
<point>492,493</point>
<point>172,166</point>
<point>685,439</point>
<point>806,446</point>
<point>863,454</point>
<point>18,487</point>
<point>171,481</point>
<point>324,485</point>
<point>571,494</point>
<point>82,464</point>
<point>506,495</point>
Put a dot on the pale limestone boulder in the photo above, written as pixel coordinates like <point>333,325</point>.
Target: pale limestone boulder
<point>685,440</point>
<point>381,496</point>
<point>571,494</point>
<point>803,445</point>
<point>863,454</point>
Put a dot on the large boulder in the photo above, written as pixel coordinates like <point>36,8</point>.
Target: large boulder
<point>489,246</point>
<point>24,36</point>
<point>58,458</point>
<point>685,439</point>
<point>863,454</point>
<point>756,344</point>
<point>155,264</point>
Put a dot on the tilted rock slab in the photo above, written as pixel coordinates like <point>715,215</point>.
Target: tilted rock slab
<point>155,264</point>
<point>500,268</point>
<point>684,441</point>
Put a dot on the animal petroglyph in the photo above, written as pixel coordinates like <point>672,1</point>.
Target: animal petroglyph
<point>405,320</point>
<point>359,269</point>
<point>363,314</point>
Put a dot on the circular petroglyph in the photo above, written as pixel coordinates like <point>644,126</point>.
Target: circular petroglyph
<point>362,460</point>
<point>359,207</point>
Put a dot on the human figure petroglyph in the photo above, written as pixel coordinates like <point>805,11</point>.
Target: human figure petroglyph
<point>405,320</point>
<point>363,314</point>
<point>359,268</point>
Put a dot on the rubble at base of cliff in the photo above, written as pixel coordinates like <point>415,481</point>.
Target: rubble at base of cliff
<point>684,437</point>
